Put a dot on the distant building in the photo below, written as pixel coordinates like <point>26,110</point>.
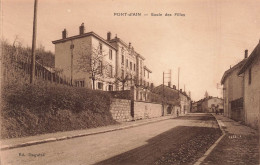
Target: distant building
<point>125,66</point>
<point>178,98</point>
<point>250,71</point>
<point>194,107</point>
<point>211,104</point>
<point>208,105</point>
<point>233,91</point>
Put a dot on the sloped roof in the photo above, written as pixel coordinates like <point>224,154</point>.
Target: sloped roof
<point>250,59</point>
<point>145,67</point>
<point>122,42</point>
<point>231,70</point>
<point>85,35</point>
<point>169,91</point>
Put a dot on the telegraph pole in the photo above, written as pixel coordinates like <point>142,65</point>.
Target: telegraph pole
<point>178,82</point>
<point>32,76</point>
<point>170,73</point>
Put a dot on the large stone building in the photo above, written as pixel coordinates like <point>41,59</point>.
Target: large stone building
<point>119,66</point>
<point>251,90</point>
<point>233,91</point>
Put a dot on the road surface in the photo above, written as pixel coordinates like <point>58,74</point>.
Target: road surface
<point>179,140</point>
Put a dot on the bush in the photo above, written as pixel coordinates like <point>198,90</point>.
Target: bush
<point>44,108</point>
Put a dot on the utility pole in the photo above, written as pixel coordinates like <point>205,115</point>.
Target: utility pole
<point>34,42</point>
<point>170,73</point>
<point>163,84</point>
<point>169,77</point>
<point>179,82</point>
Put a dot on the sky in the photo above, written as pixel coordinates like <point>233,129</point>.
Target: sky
<point>211,37</point>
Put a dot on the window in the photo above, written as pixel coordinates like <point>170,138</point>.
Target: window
<point>131,66</point>
<point>100,85</point>
<point>80,83</point>
<point>134,67</point>
<point>110,71</point>
<point>123,59</point>
<point>126,62</point>
<point>131,79</point>
<point>100,47</point>
<point>110,87</point>
<point>122,74</point>
<point>100,66</point>
<point>110,54</point>
<point>249,76</point>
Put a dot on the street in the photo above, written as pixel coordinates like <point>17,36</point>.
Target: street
<point>181,140</point>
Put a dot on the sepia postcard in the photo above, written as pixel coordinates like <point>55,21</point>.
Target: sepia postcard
<point>130,82</point>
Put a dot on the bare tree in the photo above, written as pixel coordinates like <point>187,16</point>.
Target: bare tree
<point>94,64</point>
<point>126,79</point>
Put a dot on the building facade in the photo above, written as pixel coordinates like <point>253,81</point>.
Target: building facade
<point>212,104</point>
<point>233,86</point>
<point>251,73</point>
<point>117,66</point>
<point>176,97</point>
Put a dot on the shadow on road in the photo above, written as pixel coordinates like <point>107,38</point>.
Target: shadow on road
<point>180,145</point>
<point>203,117</point>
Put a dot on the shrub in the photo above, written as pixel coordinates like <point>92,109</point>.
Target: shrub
<point>42,108</point>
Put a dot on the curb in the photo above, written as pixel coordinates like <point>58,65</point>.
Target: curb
<point>30,143</point>
<point>221,125</point>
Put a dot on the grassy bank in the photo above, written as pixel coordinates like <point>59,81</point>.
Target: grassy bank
<point>36,109</point>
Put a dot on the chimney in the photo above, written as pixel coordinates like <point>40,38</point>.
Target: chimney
<point>129,44</point>
<point>174,87</point>
<point>246,53</point>
<point>108,36</point>
<point>181,90</point>
<point>152,85</point>
<point>81,29</point>
<point>64,34</point>
<point>169,84</point>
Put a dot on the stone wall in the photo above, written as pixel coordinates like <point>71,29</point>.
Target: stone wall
<point>121,109</point>
<point>126,94</point>
<point>144,110</point>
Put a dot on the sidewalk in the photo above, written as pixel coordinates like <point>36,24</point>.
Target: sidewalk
<point>44,138</point>
<point>240,145</point>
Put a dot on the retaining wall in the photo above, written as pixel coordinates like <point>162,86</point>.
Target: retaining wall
<point>144,110</point>
<point>121,109</point>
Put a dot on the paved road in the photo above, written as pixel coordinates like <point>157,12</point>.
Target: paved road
<point>149,144</point>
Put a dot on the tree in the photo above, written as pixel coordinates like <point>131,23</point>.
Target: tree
<point>123,80</point>
<point>206,94</point>
<point>93,62</point>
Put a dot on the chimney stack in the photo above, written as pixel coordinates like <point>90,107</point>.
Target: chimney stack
<point>81,29</point>
<point>108,36</point>
<point>174,87</point>
<point>169,84</point>
<point>181,90</point>
<point>64,34</point>
<point>129,44</point>
<point>152,85</point>
<point>246,53</point>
